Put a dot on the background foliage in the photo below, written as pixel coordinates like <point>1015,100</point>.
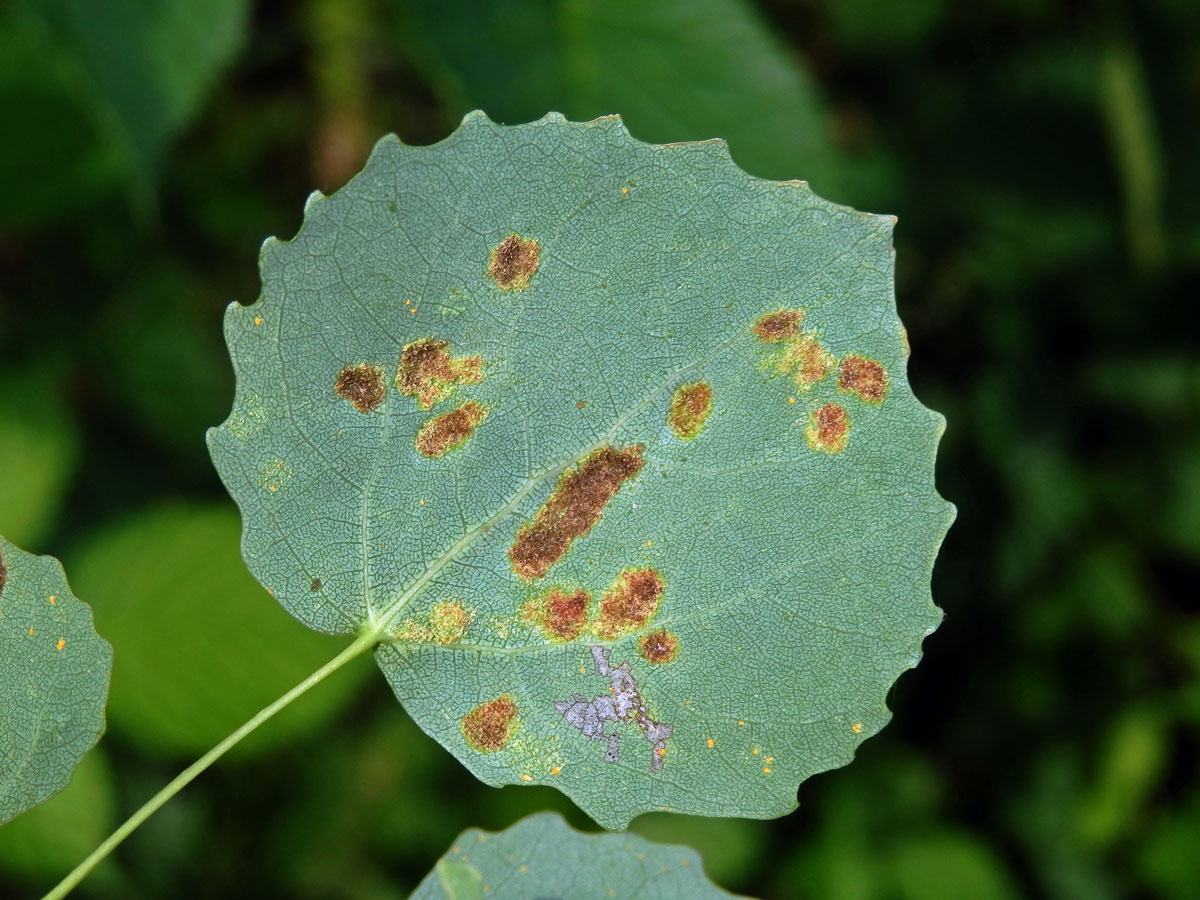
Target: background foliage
<point>1041,158</point>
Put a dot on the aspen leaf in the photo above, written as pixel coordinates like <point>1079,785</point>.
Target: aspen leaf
<point>611,445</point>
<point>54,672</point>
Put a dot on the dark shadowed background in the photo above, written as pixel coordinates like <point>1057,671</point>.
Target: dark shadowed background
<point>1044,162</point>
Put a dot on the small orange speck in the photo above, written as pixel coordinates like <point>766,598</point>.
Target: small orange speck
<point>413,310</point>
<point>767,770</point>
<point>422,502</point>
<point>258,320</point>
<point>53,599</point>
<point>62,642</point>
<point>710,742</point>
<point>624,190</point>
<point>791,399</point>
<point>526,778</point>
<point>31,632</point>
<point>582,669</point>
<point>524,868</point>
<point>741,721</point>
<point>556,770</point>
<point>755,751</point>
<point>857,728</point>
<point>649,543</point>
<point>641,856</point>
<point>455,849</point>
<point>661,751</point>
<point>768,759</point>
<point>274,487</point>
<point>408,303</point>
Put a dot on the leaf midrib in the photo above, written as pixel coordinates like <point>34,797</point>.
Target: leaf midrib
<point>378,625</point>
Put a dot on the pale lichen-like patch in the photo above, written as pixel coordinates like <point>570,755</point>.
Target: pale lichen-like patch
<point>622,702</point>
<point>829,429</point>
<point>573,508</point>
<point>864,377</point>
<point>562,614</point>
<point>659,646</point>
<point>513,262</point>
<point>362,385</point>
<point>629,603</point>
<point>449,431</point>
<point>690,408</point>
<point>489,726</point>
<point>428,372</point>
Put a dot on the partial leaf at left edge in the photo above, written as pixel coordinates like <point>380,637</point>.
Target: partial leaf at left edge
<point>54,671</point>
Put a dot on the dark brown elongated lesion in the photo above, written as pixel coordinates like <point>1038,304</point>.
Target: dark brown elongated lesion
<point>573,509</point>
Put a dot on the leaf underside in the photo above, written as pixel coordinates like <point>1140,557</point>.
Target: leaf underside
<point>613,445</point>
<point>54,672</point>
<point>542,857</point>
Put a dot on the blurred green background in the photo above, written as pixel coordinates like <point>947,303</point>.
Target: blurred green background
<point>1043,161</point>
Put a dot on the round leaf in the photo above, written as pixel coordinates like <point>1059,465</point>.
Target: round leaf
<point>610,444</point>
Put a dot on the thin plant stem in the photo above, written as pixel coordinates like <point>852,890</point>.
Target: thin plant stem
<point>362,644</point>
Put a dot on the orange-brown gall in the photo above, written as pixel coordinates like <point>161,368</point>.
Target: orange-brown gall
<point>864,377</point>
<point>489,726</point>
<point>779,325</point>
<point>428,372</point>
<point>808,358</point>
<point>451,430</point>
<point>630,603</point>
<point>573,508</point>
<point>561,614</point>
<point>690,407</point>
<point>659,646</point>
<point>829,429</point>
<point>362,385</point>
<point>513,262</point>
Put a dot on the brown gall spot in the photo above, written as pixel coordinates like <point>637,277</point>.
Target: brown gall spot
<point>561,614</point>
<point>4,574</point>
<point>489,726</point>
<point>809,358</point>
<point>513,262</point>
<point>690,408</point>
<point>573,508</point>
<point>362,385</point>
<point>779,325</point>
<point>864,377</point>
<point>451,430</point>
<point>315,586</point>
<point>659,646</point>
<point>829,429</point>
<point>428,372</point>
<point>630,603</point>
